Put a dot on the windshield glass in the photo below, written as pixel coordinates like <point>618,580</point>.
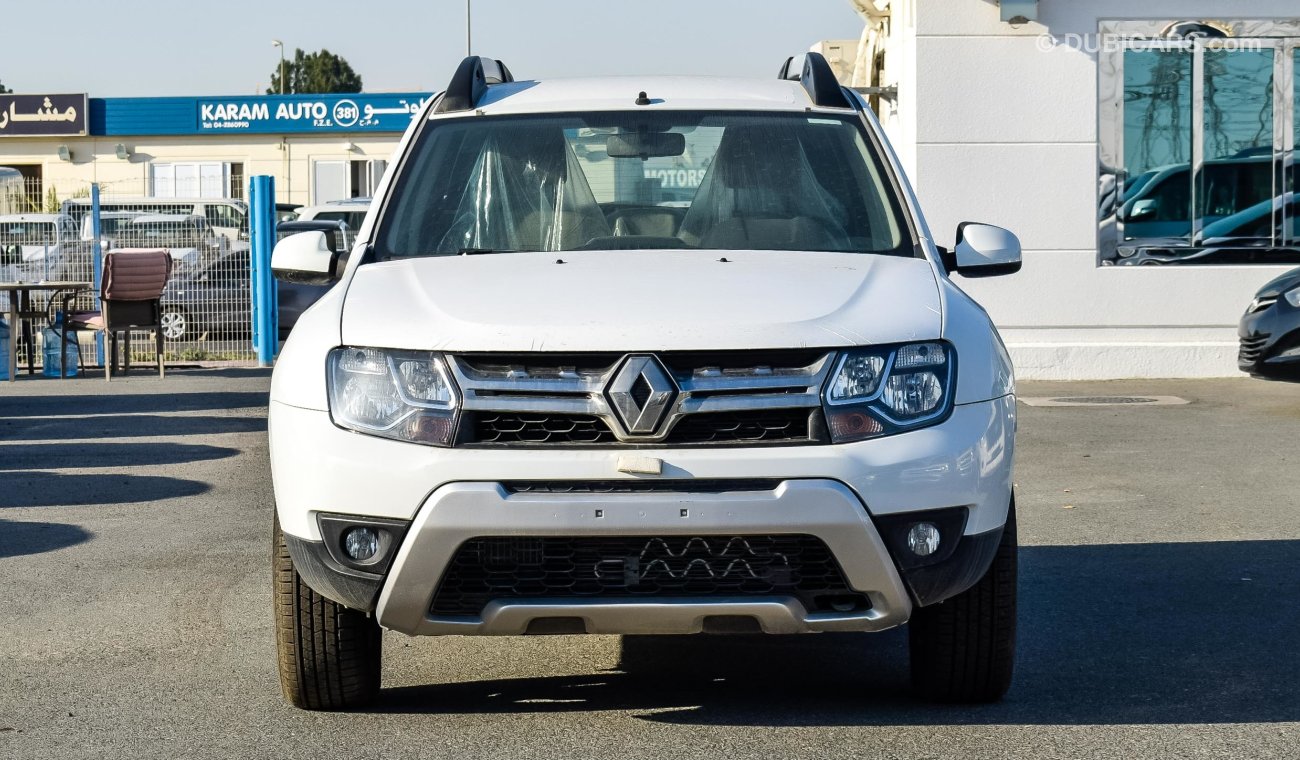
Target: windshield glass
<point>158,233</point>
<point>28,232</point>
<point>676,179</point>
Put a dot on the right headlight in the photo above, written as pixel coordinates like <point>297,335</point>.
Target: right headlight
<point>890,389</point>
<point>405,395</point>
<point>1292,297</point>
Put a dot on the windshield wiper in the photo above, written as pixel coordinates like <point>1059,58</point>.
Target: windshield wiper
<point>475,251</point>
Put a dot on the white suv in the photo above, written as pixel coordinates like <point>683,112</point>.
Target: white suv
<point>643,356</point>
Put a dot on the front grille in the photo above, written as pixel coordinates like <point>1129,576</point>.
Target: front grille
<point>517,428</point>
<point>1252,348</point>
<point>757,426</point>
<point>640,567</point>
<point>749,427</point>
<point>762,397</point>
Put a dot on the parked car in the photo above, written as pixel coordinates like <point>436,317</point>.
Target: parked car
<point>188,238</point>
<point>1158,202</point>
<point>1270,330</point>
<point>1252,236</point>
<point>352,211</point>
<point>216,299</point>
<point>512,417</point>
<point>287,212</point>
<point>110,224</point>
<point>209,300</point>
<point>39,246</point>
<point>226,216</point>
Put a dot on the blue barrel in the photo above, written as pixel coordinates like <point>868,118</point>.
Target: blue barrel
<point>4,350</point>
<point>52,338</point>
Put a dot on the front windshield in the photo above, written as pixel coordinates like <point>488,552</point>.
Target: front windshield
<point>159,233</point>
<point>27,232</point>
<point>671,179</point>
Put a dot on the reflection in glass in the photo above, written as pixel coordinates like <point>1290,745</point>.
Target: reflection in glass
<point>1157,143</point>
<point>1238,145</point>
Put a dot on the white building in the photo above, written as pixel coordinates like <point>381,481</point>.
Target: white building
<point>1032,122</point>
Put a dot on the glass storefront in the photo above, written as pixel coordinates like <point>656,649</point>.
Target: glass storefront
<point>1198,137</point>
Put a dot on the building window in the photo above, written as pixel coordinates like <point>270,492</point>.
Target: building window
<point>1197,139</point>
<point>336,180</point>
<point>202,179</point>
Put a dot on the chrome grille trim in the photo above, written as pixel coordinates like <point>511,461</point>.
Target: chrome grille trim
<point>552,389</point>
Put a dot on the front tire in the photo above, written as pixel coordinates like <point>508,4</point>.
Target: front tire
<point>963,649</point>
<point>329,655</point>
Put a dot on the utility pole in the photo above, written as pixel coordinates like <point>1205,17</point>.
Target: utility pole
<point>469,44</point>
<point>279,44</point>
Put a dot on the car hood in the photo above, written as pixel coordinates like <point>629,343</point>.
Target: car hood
<point>1279,285</point>
<point>641,300</point>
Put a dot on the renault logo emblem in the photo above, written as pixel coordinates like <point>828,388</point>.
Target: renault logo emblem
<point>641,393</point>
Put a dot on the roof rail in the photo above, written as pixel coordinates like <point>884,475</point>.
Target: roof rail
<point>471,81</point>
<point>814,73</point>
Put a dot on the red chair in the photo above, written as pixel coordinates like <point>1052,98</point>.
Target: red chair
<point>130,296</point>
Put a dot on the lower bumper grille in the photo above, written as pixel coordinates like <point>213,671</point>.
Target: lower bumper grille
<point>749,427</point>
<point>487,569</point>
<point>1252,348</point>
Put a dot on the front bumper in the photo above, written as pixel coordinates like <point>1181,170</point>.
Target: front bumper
<point>836,493</point>
<point>1270,341</point>
<point>462,511</point>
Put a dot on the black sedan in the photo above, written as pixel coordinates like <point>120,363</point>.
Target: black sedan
<point>215,299</point>
<point>1270,330</point>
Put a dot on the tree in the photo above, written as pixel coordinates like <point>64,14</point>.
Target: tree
<point>4,89</point>
<point>322,72</point>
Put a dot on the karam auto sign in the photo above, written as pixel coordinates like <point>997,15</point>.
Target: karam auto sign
<point>42,115</point>
<point>308,114</point>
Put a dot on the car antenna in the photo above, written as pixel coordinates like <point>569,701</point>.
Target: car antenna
<point>641,99</point>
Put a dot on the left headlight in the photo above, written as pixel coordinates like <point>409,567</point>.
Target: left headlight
<point>890,389</point>
<point>1292,297</point>
<point>405,395</point>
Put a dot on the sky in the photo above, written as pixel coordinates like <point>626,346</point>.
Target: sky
<point>131,48</point>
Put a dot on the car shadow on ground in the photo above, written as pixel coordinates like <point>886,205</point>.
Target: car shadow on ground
<point>1109,634</point>
<point>58,456</point>
<point>127,403</point>
<point>19,539</point>
<point>49,489</point>
<point>123,426</point>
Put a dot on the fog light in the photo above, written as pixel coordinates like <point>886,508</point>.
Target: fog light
<point>363,543</point>
<point>852,425</point>
<point>923,539</point>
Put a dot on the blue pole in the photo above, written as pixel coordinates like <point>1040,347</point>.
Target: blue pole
<point>97,266</point>
<point>261,211</point>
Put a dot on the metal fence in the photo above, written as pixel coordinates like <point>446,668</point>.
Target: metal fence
<point>48,233</point>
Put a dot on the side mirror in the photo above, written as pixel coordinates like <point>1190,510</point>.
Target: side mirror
<point>1141,209</point>
<point>984,251</point>
<point>305,258</point>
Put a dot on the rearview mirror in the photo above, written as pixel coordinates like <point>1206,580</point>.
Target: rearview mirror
<point>645,144</point>
<point>984,251</point>
<point>306,258</point>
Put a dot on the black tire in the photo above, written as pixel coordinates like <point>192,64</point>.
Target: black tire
<point>963,649</point>
<point>329,654</point>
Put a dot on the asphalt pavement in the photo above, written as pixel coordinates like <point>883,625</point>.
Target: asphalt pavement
<point>1160,605</point>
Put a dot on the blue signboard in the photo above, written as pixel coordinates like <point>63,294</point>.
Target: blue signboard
<point>268,114</point>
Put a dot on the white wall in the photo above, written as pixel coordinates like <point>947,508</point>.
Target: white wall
<point>994,128</point>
